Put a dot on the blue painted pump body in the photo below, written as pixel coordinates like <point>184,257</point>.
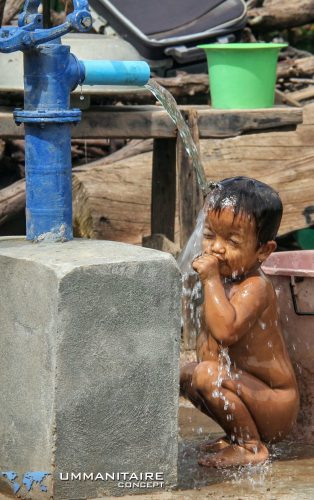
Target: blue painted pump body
<point>51,72</point>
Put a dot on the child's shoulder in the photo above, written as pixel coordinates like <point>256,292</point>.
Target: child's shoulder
<point>256,284</point>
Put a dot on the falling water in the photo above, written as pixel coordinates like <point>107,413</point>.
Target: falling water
<point>192,293</point>
<point>192,289</point>
<point>170,105</point>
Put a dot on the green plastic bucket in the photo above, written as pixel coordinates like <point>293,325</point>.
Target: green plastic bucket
<point>242,75</point>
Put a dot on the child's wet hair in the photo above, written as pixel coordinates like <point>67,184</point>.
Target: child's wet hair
<point>251,197</point>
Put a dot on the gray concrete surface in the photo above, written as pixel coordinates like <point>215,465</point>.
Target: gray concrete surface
<point>287,475</point>
<point>89,339</point>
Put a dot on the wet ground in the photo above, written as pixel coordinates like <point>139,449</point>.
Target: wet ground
<point>289,474</point>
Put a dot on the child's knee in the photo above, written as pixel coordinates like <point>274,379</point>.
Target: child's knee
<point>204,376</point>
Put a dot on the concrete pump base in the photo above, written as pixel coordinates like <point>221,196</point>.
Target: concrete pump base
<point>89,339</point>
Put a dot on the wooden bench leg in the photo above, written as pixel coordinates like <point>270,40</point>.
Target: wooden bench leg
<point>190,198</point>
<point>164,188</point>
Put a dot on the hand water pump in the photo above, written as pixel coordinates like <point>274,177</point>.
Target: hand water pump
<point>51,72</point>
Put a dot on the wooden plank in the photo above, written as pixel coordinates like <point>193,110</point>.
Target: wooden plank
<point>190,198</point>
<point>153,122</point>
<point>269,152</point>
<point>164,188</point>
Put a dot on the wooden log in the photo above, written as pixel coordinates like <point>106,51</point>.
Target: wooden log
<point>185,84</point>
<point>302,95</point>
<point>2,4</point>
<point>281,14</point>
<point>114,203</point>
<point>282,98</point>
<point>134,147</point>
<point>164,188</point>
<point>12,7</point>
<point>190,197</point>
<point>182,85</point>
<point>12,200</point>
<point>296,67</point>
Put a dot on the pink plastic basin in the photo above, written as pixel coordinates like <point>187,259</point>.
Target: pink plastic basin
<point>292,275</point>
<point>296,263</point>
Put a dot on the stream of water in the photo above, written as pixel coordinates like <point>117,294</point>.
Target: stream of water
<point>170,105</point>
<point>192,292</point>
<point>192,289</point>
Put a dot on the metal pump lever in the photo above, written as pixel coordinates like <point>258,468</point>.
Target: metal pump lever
<point>30,32</point>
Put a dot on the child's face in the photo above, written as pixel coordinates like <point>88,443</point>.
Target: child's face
<point>232,239</point>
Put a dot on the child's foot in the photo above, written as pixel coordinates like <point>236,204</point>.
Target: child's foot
<point>215,445</point>
<point>235,455</point>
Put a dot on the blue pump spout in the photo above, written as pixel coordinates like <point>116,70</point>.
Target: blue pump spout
<point>115,72</point>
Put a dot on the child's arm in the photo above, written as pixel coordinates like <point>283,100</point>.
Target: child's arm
<point>228,320</point>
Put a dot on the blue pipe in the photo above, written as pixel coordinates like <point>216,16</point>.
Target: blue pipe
<point>50,73</point>
<point>115,72</point>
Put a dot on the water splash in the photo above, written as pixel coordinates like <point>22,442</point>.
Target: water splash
<point>192,292</point>
<point>170,105</point>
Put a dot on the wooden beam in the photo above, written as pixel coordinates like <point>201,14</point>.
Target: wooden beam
<point>164,188</point>
<point>190,198</point>
<point>143,122</point>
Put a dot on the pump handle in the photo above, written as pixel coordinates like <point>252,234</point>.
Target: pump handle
<point>30,32</point>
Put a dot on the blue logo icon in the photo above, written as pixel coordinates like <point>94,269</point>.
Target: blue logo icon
<point>29,480</point>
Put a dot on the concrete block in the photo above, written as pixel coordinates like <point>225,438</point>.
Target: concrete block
<point>89,338</point>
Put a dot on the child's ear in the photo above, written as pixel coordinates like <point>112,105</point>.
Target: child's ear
<point>266,249</point>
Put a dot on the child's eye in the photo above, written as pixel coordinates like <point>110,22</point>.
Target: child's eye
<point>208,234</point>
<point>234,242</point>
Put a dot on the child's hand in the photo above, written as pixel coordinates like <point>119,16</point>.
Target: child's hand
<point>207,266</point>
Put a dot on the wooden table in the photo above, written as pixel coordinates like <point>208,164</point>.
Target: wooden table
<point>173,180</point>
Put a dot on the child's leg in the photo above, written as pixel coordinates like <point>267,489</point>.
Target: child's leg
<point>233,416</point>
<point>188,391</point>
<point>248,410</point>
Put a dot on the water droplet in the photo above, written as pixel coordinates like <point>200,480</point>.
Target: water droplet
<point>262,324</point>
